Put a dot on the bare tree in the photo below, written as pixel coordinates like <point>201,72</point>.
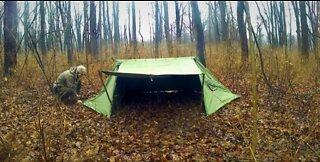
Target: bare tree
<point>312,16</point>
<point>166,28</point>
<point>10,25</point>
<point>129,22</point>
<point>105,28</point>
<point>304,30</point>
<point>94,35</point>
<point>140,29</point>
<point>242,32</point>
<point>86,39</point>
<point>199,31</point>
<point>110,38</point>
<point>157,29</point>
<point>134,30</point>
<point>78,22</point>
<point>42,42</point>
<point>68,34</point>
<point>296,10</point>
<point>116,26</point>
<point>266,25</point>
<point>51,26</point>
<point>25,24</point>
<point>318,33</point>
<point>179,21</point>
<point>190,23</point>
<point>224,27</point>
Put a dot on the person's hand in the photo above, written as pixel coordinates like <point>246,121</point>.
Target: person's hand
<point>79,101</point>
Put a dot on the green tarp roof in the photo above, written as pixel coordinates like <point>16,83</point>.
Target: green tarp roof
<point>215,95</point>
<point>161,66</point>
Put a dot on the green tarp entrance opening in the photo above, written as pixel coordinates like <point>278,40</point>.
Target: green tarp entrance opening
<point>215,95</point>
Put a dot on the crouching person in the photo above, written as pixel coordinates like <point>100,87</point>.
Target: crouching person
<point>68,85</point>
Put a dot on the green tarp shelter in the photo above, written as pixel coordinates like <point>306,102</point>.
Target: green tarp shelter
<point>158,75</point>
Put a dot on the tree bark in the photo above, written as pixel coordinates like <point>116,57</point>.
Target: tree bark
<point>78,21</point>
<point>178,29</point>
<point>10,26</point>
<point>25,25</point>
<point>116,27</point>
<point>42,42</point>
<point>242,32</point>
<point>69,34</point>
<point>297,13</point>
<point>157,30</point>
<point>304,30</point>
<point>94,33</point>
<point>199,31</point>
<point>224,27</point>
<point>86,39</point>
<point>134,28</point>
<point>166,28</point>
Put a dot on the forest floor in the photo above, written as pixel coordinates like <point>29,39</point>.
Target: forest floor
<point>35,128</point>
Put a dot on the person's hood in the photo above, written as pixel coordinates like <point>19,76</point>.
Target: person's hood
<point>73,70</point>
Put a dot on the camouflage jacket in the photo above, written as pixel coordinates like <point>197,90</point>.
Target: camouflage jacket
<point>68,79</point>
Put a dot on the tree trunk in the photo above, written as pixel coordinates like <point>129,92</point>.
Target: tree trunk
<point>242,32</point>
<point>10,25</point>
<point>51,28</point>
<point>93,30</point>
<point>297,13</point>
<point>25,25</point>
<point>210,24</point>
<point>134,28</point>
<point>140,29</point>
<point>318,33</point>
<point>178,29</point>
<point>216,22</point>
<point>166,28</point>
<point>157,30</point>
<point>57,26</point>
<point>224,27</point>
<point>116,27</point>
<point>86,39</point>
<point>105,35</point>
<point>304,30</point>
<point>129,22</point>
<point>69,34</point>
<point>78,21</point>
<point>199,31</point>
<point>284,28</point>
<point>43,32</point>
<point>110,38</point>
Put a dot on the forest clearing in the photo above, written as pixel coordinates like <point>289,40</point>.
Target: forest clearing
<point>275,118</point>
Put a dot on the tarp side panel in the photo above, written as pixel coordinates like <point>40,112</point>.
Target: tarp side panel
<point>215,94</point>
<point>101,103</point>
<point>214,100</point>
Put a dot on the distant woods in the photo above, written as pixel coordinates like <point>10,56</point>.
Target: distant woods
<point>63,27</point>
